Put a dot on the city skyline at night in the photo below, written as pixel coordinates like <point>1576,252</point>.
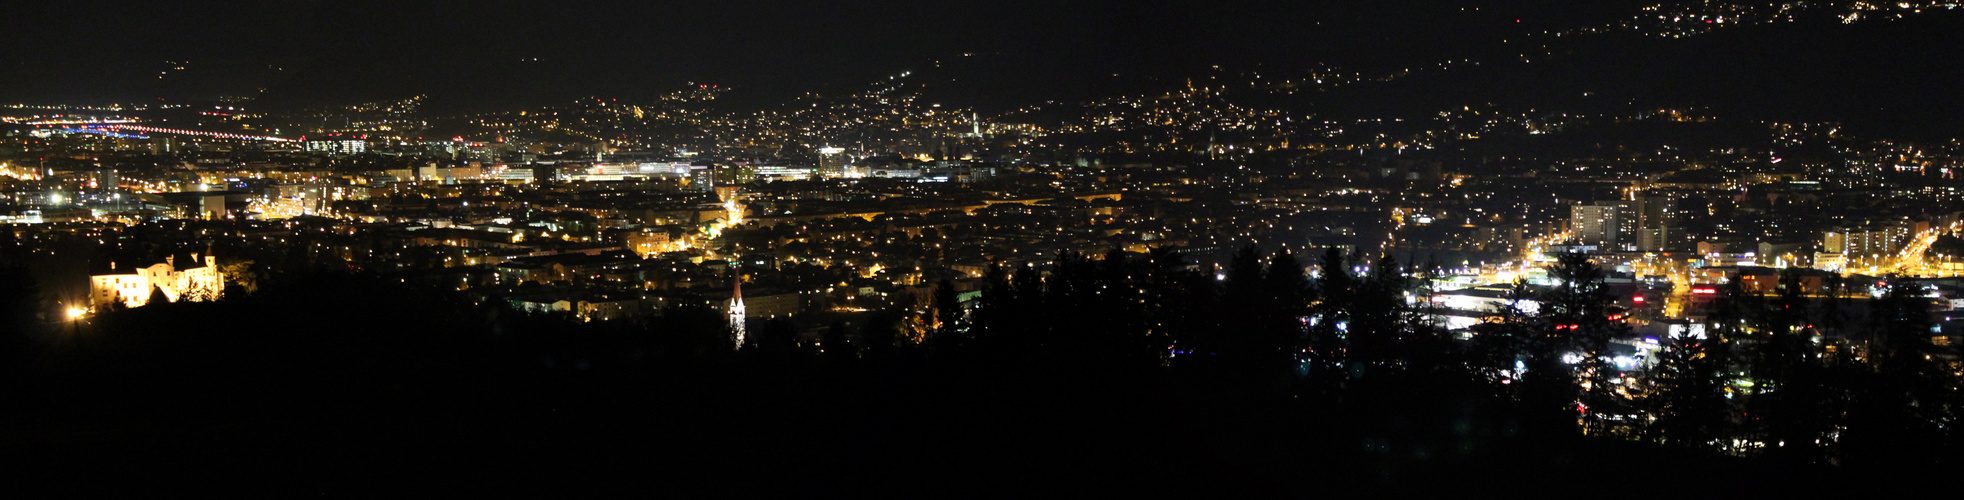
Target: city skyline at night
<point>1198,249</point>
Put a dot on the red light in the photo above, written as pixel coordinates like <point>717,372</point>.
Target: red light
<point>1637,299</point>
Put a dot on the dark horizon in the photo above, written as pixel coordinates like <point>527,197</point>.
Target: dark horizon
<point>319,50</point>
<point>503,56</point>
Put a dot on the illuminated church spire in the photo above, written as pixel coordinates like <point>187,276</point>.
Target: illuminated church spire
<point>736,311</point>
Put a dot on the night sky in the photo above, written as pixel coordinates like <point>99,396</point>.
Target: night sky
<point>490,55</point>
<point>473,52</point>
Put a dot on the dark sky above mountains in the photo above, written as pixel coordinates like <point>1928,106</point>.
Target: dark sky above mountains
<point>504,54</point>
<point>479,50</point>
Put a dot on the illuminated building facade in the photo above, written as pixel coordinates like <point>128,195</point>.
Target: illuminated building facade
<point>1657,223</point>
<point>198,281</point>
<point>1871,241</point>
<point>831,162</point>
<point>736,312</point>
<point>1596,224</point>
<point>337,145</point>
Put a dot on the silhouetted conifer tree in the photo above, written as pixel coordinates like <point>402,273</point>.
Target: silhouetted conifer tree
<point>1328,338</point>
<point>1174,302</point>
<point>1502,344</point>
<point>1579,305</point>
<point>1788,402</point>
<point>1427,345</point>
<point>1687,396</point>
<point>1895,417</point>
<point>1244,306</point>
<point>1378,319</point>
<point>949,320</point>
<point>1287,290</point>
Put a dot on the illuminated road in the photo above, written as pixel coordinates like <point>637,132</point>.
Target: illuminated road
<point>68,121</point>
<point>220,135</point>
<point>1911,260</point>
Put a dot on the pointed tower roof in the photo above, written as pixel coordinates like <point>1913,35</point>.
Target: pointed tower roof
<point>736,308</point>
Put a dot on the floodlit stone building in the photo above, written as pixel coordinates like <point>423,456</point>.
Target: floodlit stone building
<point>198,280</point>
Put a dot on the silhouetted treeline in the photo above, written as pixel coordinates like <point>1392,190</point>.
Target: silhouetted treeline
<point>1787,377</point>
<point>1126,371</point>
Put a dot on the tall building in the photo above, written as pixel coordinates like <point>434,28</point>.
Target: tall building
<point>831,162</point>
<point>1657,229</point>
<point>1598,223</point>
<point>1646,224</point>
<point>1873,241</point>
<point>702,177</point>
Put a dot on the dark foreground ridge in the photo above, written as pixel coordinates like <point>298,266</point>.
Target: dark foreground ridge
<point>353,385</point>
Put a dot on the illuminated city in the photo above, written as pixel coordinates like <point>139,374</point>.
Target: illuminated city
<point>1185,249</point>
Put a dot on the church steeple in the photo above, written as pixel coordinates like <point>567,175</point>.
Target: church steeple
<point>736,310</point>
